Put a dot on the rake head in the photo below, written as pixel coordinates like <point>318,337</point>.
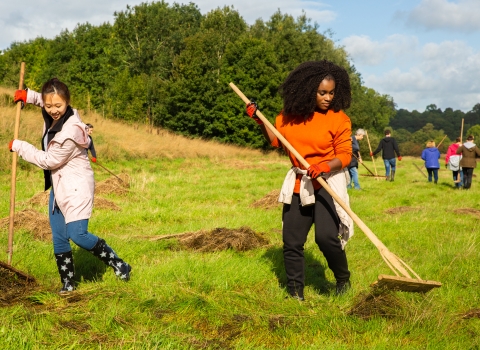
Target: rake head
<point>404,284</point>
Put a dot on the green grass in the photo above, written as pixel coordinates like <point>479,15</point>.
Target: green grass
<point>178,299</point>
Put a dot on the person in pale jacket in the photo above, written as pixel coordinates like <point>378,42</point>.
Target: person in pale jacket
<point>452,161</point>
<point>431,155</point>
<point>68,173</point>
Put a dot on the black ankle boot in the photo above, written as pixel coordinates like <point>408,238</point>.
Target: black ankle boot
<point>342,287</point>
<point>296,293</point>
<point>66,270</point>
<point>108,256</point>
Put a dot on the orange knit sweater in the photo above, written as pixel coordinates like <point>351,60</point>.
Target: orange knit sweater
<point>318,139</point>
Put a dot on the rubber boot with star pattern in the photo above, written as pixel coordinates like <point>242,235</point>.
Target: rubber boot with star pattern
<point>106,254</point>
<point>66,271</point>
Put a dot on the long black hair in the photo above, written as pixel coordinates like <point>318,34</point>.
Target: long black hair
<point>300,88</point>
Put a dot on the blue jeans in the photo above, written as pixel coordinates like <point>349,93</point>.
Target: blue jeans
<point>62,233</point>
<point>353,178</point>
<point>455,174</point>
<point>433,171</point>
<point>389,163</point>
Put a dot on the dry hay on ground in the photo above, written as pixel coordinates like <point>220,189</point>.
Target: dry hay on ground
<point>471,211</point>
<point>13,287</point>
<point>399,210</point>
<point>241,239</point>
<point>379,304</point>
<point>475,313</point>
<point>268,202</point>
<point>218,239</point>
<point>32,221</point>
<point>102,203</point>
<point>40,198</point>
<point>113,185</point>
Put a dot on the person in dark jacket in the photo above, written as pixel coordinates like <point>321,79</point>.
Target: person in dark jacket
<point>91,148</point>
<point>388,146</point>
<point>431,155</point>
<point>469,151</point>
<point>356,157</point>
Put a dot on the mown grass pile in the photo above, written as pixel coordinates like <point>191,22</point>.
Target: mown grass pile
<point>234,299</point>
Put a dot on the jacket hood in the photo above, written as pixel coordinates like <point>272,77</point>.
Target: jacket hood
<point>469,145</point>
<point>387,139</point>
<point>431,149</point>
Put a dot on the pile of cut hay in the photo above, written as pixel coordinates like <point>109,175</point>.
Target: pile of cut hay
<point>241,239</point>
<point>113,185</point>
<point>268,202</point>
<point>40,198</point>
<point>31,221</point>
<point>470,211</point>
<point>381,304</point>
<point>102,203</point>
<point>399,210</point>
<point>14,287</point>
<point>218,239</point>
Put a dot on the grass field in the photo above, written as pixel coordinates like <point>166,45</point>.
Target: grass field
<point>183,299</point>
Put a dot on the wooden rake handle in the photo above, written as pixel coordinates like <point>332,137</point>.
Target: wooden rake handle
<point>14,171</point>
<point>394,262</point>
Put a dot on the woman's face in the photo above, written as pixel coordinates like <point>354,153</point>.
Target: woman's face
<point>55,106</point>
<point>325,94</point>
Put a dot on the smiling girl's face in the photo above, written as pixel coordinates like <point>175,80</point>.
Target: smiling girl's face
<point>54,105</point>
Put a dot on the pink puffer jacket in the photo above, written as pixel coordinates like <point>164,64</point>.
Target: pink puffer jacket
<point>66,157</point>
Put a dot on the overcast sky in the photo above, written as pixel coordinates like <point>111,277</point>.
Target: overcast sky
<point>417,51</point>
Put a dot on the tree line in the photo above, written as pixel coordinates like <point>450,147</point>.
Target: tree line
<point>169,66</point>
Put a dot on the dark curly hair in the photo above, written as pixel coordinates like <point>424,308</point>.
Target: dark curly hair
<point>300,88</point>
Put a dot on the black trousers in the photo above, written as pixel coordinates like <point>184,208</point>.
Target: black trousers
<point>297,221</point>
<point>467,177</point>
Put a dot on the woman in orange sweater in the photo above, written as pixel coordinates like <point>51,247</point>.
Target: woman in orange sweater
<point>312,120</point>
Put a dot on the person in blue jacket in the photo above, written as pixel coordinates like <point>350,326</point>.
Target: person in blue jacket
<point>431,155</point>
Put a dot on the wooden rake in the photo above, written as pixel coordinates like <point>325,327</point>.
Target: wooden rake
<point>11,220</point>
<point>371,173</point>
<point>403,279</point>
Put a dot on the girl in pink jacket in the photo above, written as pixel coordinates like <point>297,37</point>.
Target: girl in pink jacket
<point>67,171</point>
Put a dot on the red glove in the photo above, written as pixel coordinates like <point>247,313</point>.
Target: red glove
<point>10,145</point>
<point>399,157</point>
<point>371,154</point>
<point>252,112</point>
<point>94,159</point>
<point>315,170</point>
<point>20,95</point>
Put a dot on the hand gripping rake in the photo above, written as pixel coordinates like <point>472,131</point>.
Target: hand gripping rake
<point>403,279</point>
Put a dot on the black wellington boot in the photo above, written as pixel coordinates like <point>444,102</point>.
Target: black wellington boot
<point>108,256</point>
<point>392,176</point>
<point>66,270</point>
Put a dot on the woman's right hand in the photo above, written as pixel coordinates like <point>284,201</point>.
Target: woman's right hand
<point>20,95</point>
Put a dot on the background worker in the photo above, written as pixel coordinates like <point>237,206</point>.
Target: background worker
<point>452,161</point>
<point>389,147</point>
<point>469,152</point>
<point>91,147</point>
<point>356,158</point>
<point>431,155</point>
